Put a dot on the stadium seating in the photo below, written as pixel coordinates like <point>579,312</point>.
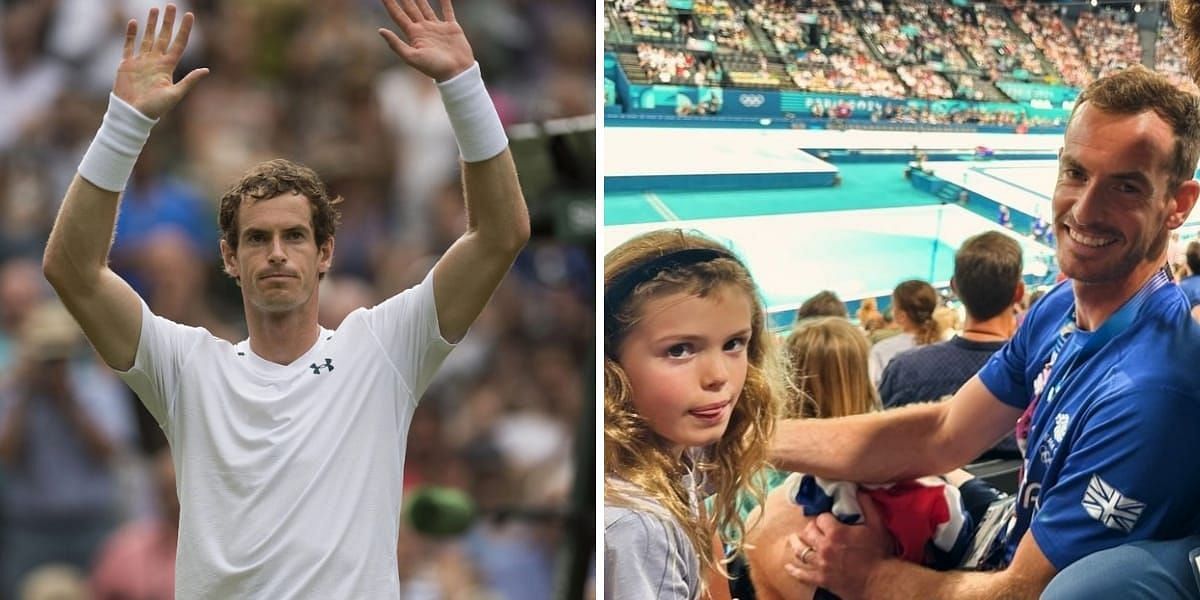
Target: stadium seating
<point>901,49</point>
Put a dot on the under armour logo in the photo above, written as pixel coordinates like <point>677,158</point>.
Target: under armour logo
<point>317,368</point>
<point>1108,505</point>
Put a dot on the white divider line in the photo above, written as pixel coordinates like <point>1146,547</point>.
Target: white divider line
<point>661,207</point>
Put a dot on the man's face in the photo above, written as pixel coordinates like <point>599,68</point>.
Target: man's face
<point>277,261</point>
<point>1113,206</point>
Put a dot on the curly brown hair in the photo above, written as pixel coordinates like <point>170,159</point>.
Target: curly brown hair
<point>1186,16</point>
<point>634,453</point>
<point>274,178</point>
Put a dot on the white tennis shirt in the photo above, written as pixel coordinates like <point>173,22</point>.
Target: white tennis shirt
<point>289,476</point>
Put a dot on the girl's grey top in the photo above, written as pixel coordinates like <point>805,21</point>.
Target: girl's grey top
<point>647,555</point>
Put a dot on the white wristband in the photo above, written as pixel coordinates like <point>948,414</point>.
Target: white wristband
<point>476,125</point>
<point>110,158</point>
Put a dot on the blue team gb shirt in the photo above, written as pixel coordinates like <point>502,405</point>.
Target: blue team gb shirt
<point>1111,455</point>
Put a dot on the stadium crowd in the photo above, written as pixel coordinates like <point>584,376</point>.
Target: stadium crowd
<point>1057,42</point>
<point>1169,62</point>
<point>907,33</point>
<point>1113,40</point>
<point>86,497</point>
<point>898,49</point>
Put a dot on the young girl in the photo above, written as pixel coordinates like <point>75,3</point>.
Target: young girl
<point>690,393</point>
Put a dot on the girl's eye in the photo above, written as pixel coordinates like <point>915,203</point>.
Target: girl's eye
<point>735,344</point>
<point>679,350</point>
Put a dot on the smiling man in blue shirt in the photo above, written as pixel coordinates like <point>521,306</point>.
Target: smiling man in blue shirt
<point>1100,378</point>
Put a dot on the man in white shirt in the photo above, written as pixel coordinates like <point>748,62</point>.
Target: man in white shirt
<point>289,446</point>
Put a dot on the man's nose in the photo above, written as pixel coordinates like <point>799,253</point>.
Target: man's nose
<point>1087,207</point>
<point>277,254</point>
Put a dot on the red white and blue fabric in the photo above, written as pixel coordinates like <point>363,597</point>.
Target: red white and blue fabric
<point>925,516</point>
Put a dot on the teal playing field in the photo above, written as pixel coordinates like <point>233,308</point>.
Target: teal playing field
<point>856,253</point>
<point>859,238</point>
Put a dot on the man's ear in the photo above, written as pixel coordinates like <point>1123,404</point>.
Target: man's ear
<point>229,258</point>
<point>325,256</point>
<point>1184,200</point>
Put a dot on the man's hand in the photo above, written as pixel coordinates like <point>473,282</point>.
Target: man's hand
<point>146,80</point>
<point>840,557</point>
<point>435,47</point>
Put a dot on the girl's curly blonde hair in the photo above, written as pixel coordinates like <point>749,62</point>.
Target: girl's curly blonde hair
<point>633,452</point>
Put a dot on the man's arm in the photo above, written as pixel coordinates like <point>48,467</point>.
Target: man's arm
<point>1029,574</point>
<point>497,220</point>
<point>76,259</point>
<point>75,263</point>
<point>497,228</point>
<point>846,560</point>
<point>903,443</point>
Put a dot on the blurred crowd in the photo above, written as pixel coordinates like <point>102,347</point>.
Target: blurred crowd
<point>719,21</point>
<point>924,115</point>
<point>1169,61</point>
<point>1112,40</point>
<point>907,33</point>
<point>87,504</point>
<point>1056,40</point>
<point>925,83</point>
<point>825,53</point>
<point>927,49</point>
<point>664,66</point>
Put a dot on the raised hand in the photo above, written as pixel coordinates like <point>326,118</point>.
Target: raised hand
<point>435,47</point>
<point>146,79</point>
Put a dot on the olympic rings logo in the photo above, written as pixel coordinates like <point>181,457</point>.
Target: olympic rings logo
<point>751,100</point>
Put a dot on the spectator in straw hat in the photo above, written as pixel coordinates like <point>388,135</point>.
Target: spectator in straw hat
<point>62,419</point>
<point>54,582</point>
